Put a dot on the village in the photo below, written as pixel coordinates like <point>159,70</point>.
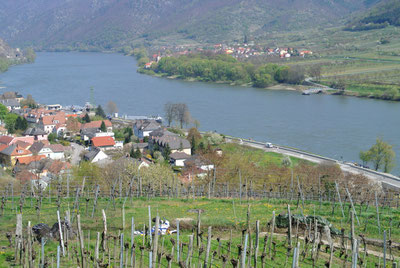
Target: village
<point>54,139</point>
<point>239,51</point>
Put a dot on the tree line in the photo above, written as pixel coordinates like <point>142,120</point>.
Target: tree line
<point>224,68</point>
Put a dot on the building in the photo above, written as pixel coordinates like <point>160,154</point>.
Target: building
<point>141,146</point>
<point>56,107</point>
<point>52,151</point>
<point>104,143</point>
<point>178,159</point>
<point>11,153</point>
<point>89,133</point>
<point>143,128</point>
<point>97,125</point>
<point>11,104</point>
<point>95,156</point>
<point>199,163</point>
<point>49,122</point>
<point>29,159</point>
<point>175,144</point>
<point>37,133</point>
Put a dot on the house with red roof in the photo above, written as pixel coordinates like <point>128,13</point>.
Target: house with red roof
<point>8,140</point>
<point>11,153</point>
<point>29,159</point>
<point>104,143</point>
<point>25,176</point>
<point>49,122</point>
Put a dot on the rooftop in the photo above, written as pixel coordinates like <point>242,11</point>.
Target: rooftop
<point>103,141</point>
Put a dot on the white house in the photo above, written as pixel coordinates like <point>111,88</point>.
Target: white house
<point>178,159</point>
<point>52,151</point>
<point>57,151</point>
<point>95,155</point>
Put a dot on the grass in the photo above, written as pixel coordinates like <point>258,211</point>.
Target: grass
<point>222,214</point>
<point>260,157</point>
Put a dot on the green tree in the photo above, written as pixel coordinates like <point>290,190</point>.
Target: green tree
<point>30,54</point>
<point>194,137</point>
<point>103,127</point>
<point>86,118</point>
<point>193,145</point>
<point>100,112</point>
<point>3,111</point>
<point>128,132</point>
<point>52,137</point>
<point>132,152</point>
<point>365,157</point>
<point>21,123</point>
<point>136,153</point>
<point>10,120</point>
<point>382,155</point>
<point>166,152</point>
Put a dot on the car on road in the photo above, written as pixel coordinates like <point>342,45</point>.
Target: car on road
<point>269,145</point>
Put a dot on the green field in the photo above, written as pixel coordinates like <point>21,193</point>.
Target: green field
<point>224,215</point>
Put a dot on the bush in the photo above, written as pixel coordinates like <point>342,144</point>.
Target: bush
<point>391,94</point>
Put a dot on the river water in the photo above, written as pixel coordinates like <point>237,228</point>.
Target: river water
<point>334,126</point>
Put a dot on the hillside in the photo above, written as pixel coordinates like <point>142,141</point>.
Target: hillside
<point>7,52</point>
<point>111,23</point>
<point>10,56</point>
<point>380,16</point>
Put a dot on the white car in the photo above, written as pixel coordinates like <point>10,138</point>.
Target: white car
<point>269,145</point>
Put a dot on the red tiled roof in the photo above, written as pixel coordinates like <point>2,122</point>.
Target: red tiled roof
<point>26,139</point>
<point>6,139</point>
<point>51,119</point>
<point>103,141</point>
<point>57,166</point>
<point>56,147</point>
<point>25,175</point>
<point>29,159</point>
<point>22,144</point>
<point>19,151</point>
<point>96,124</point>
<point>3,146</point>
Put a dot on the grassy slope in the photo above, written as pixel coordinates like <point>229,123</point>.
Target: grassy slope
<point>259,157</point>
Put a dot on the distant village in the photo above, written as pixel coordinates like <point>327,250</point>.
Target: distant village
<point>56,138</point>
<point>239,51</point>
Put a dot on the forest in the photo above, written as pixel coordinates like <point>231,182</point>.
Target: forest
<point>224,68</point>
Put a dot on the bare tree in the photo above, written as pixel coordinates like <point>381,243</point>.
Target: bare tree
<point>182,114</point>
<point>315,71</point>
<point>170,111</point>
<point>112,107</point>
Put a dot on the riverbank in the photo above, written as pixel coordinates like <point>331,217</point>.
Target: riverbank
<point>278,86</point>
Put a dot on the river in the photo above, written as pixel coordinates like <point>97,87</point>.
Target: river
<point>333,126</point>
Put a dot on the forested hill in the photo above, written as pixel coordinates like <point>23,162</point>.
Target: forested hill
<point>382,15</point>
<point>111,23</point>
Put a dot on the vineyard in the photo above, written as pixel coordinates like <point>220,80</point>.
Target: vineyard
<point>211,226</point>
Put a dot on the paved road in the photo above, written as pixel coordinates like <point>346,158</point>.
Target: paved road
<point>76,151</point>
<point>387,180</point>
